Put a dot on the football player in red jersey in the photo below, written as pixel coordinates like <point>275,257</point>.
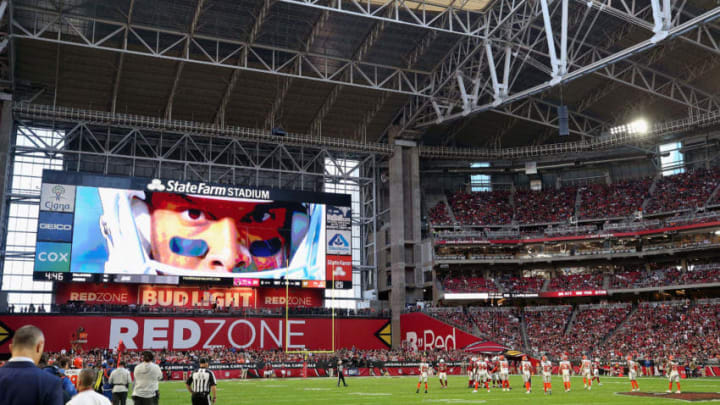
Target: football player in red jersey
<point>596,370</point>
<point>442,373</point>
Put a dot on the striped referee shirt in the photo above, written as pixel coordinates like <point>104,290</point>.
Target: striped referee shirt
<point>201,380</point>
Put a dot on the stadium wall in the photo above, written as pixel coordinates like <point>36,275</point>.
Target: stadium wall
<point>196,333</point>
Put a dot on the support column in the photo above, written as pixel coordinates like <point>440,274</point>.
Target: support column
<point>6,135</point>
<point>405,243</point>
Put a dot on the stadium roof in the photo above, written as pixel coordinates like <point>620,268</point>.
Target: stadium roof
<point>351,69</point>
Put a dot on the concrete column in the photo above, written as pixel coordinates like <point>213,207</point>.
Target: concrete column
<point>405,236</point>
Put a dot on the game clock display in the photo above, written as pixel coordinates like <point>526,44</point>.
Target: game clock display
<point>139,230</point>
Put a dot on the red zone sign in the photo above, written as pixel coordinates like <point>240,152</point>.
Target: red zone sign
<point>195,333</point>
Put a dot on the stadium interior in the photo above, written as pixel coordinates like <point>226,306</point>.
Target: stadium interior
<point>538,175</point>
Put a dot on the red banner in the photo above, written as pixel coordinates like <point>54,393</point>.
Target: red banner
<point>562,294</point>
<point>339,268</point>
<point>96,293</point>
<point>275,297</point>
<point>196,297</point>
<point>195,333</point>
<point>423,332</point>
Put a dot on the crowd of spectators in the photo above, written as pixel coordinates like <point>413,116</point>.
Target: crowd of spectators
<point>520,284</point>
<point>545,327</point>
<point>83,308</point>
<point>545,206</point>
<point>683,191</point>
<point>591,325</point>
<point>501,325</point>
<point>455,316</point>
<point>469,284</point>
<point>438,215</point>
<point>620,199</point>
<point>576,281</point>
<point>690,329</point>
<point>482,208</point>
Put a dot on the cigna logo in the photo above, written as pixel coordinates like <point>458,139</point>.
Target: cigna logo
<point>156,185</point>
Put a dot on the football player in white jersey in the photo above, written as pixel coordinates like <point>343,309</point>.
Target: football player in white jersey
<point>565,368</point>
<point>546,369</point>
<point>481,374</point>
<point>504,366</point>
<point>632,373</point>
<point>423,368</point>
<point>526,369</point>
<point>672,368</point>
<point>586,372</point>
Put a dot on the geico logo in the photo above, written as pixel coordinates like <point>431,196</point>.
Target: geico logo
<point>58,227</point>
<point>53,257</point>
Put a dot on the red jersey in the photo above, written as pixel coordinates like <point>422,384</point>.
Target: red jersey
<point>442,367</point>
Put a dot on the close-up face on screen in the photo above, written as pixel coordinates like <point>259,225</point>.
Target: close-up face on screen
<point>221,235</point>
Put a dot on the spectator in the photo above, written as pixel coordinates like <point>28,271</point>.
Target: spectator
<point>87,395</point>
<point>21,381</point>
<point>147,376</point>
<point>120,380</point>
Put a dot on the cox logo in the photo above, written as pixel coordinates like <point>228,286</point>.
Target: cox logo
<point>56,227</point>
<point>53,257</point>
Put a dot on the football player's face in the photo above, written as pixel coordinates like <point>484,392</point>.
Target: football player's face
<point>216,235</point>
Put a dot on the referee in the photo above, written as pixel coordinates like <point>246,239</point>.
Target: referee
<point>201,383</point>
<point>341,375</point>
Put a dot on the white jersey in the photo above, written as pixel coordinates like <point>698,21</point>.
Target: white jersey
<point>89,397</point>
<point>526,367</point>
<point>546,367</point>
<point>504,367</point>
<point>586,367</point>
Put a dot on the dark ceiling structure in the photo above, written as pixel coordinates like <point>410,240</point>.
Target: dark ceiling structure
<point>446,72</point>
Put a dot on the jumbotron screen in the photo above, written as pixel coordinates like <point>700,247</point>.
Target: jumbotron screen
<point>140,230</point>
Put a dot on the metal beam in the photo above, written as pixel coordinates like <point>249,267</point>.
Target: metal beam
<point>220,52</point>
<point>121,61</point>
<point>605,63</point>
<point>359,54</point>
<point>441,17</point>
<point>185,52</point>
<point>235,75</point>
<point>270,119</point>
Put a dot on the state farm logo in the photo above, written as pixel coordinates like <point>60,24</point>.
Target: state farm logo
<point>156,185</point>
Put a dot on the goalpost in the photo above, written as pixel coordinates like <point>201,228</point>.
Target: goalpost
<point>306,352</point>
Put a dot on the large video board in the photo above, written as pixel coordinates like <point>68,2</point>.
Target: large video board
<point>129,229</point>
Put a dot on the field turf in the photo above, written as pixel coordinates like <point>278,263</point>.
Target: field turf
<point>401,390</point>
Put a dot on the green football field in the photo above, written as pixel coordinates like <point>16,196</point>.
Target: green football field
<point>401,390</point>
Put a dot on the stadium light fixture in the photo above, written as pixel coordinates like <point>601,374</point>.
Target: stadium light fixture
<point>639,126</point>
